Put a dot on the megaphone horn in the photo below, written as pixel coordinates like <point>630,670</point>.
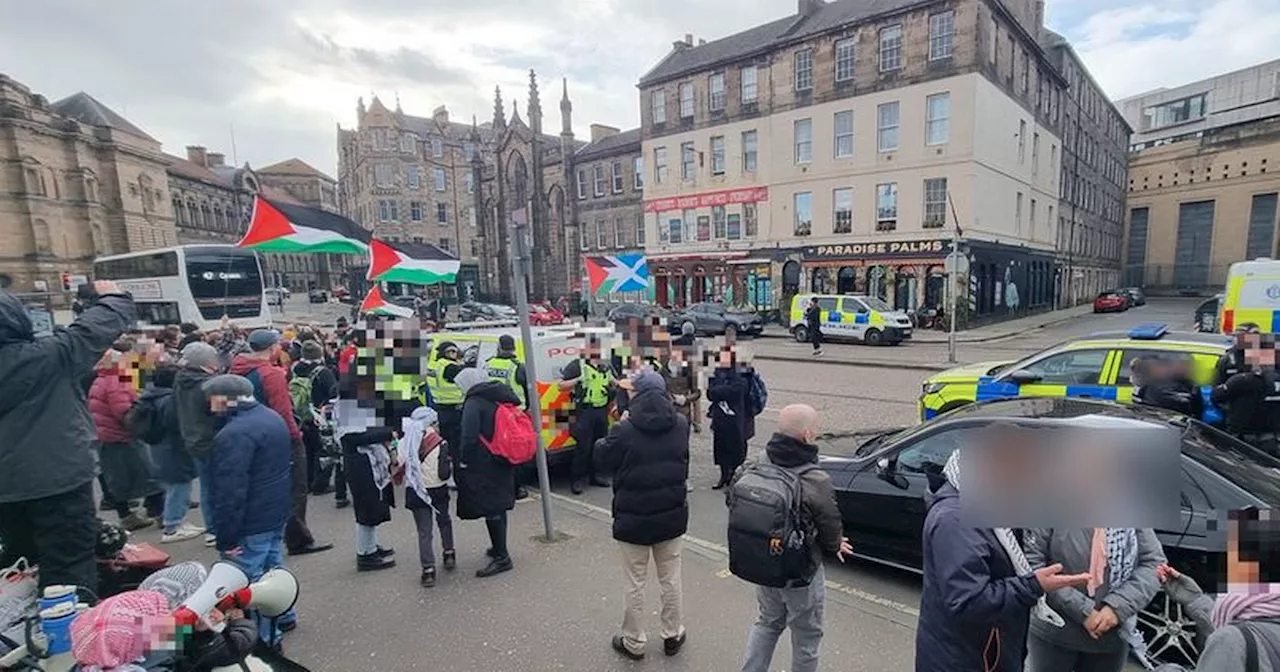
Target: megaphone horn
<point>224,579</point>
<point>272,595</point>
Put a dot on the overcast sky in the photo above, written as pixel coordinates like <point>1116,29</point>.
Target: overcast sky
<point>283,73</point>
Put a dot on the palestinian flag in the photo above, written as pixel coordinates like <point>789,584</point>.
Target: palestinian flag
<point>375,304</point>
<point>411,263</point>
<point>281,227</point>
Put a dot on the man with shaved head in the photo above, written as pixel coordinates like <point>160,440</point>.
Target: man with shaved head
<point>799,606</point>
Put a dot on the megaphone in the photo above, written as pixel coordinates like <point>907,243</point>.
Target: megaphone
<point>224,579</point>
<point>272,595</point>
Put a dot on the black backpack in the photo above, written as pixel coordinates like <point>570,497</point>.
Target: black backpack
<point>145,420</point>
<point>770,541</point>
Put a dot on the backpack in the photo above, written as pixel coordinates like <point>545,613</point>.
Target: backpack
<point>300,393</point>
<point>513,437</point>
<point>1259,637</point>
<point>757,395</point>
<point>146,421</point>
<point>769,540</point>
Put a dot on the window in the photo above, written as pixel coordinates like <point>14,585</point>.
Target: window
<point>750,220</point>
<point>888,127</point>
<point>637,165</point>
<point>675,231</point>
<point>690,221</point>
<point>715,92</point>
<point>640,230</point>
<point>891,47</point>
<point>718,221</point>
<point>387,211</point>
<point>942,32</point>
<point>659,164</point>
<point>442,213</point>
<point>413,177</point>
<point>930,454</point>
<point>383,175</point>
<point>582,236</point>
<point>619,233</point>
<point>844,59</point>
<point>597,181</point>
<point>437,147</point>
<point>1176,112</point>
<point>1078,367</point>
<point>937,129</point>
<point>471,218</point>
<point>406,142</point>
<point>844,134</point>
<point>804,140</point>
<point>446,244</point>
<point>1032,222</point>
<point>602,234</point>
<point>582,185</point>
<point>617,177</point>
<point>686,101</point>
<point>717,155</point>
<point>749,85</point>
<point>1017,213</point>
<point>415,210</point>
<point>440,180</point>
<point>704,228</point>
<point>1053,160</point>
<point>804,213</point>
<point>470,181</point>
<point>842,217</point>
<point>748,151</point>
<point>803,67</point>
<point>935,202</point>
<point>734,226</point>
<point>468,151</point>
<point>1022,142</point>
<point>658,101</point>
<point>887,206</point>
<point>686,161</point>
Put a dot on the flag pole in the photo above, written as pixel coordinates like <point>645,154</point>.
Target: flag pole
<point>957,237</point>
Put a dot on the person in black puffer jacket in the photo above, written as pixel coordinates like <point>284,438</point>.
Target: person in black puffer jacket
<point>486,483</point>
<point>648,453</point>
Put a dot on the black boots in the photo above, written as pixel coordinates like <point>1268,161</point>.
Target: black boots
<point>495,566</point>
<point>374,562</point>
<point>671,645</point>
<point>499,558</point>
<point>450,560</point>
<point>428,577</point>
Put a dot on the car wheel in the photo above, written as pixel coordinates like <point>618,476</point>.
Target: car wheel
<point>801,333</point>
<point>873,337</point>
<point>1170,633</point>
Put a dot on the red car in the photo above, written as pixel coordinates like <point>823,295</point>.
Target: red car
<point>543,315</point>
<point>1111,302</point>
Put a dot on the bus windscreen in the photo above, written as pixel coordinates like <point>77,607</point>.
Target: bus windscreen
<point>223,279</point>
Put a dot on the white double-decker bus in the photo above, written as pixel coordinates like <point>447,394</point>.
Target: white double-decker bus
<point>191,283</point>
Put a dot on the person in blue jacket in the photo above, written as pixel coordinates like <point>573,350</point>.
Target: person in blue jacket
<point>979,590</point>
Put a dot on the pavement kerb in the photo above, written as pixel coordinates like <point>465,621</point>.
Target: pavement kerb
<point>961,337</point>
<point>855,598</point>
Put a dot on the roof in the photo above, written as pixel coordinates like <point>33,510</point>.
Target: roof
<point>295,167</point>
<point>194,171</point>
<point>763,38</point>
<point>89,110</point>
<point>625,141</point>
<point>278,195</point>
<point>426,126</point>
<point>1172,337</point>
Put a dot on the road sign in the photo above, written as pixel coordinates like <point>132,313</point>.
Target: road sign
<point>957,263</point>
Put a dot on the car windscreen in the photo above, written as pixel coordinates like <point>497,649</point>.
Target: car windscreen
<point>876,304</point>
<point>1240,464</point>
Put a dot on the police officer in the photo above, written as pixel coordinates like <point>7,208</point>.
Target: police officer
<point>592,382</point>
<point>506,368</point>
<point>1167,384</point>
<point>445,393</point>
<point>1251,398</point>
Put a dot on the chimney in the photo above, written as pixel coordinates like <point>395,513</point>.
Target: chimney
<point>600,132</point>
<point>688,39</point>
<point>217,160</point>
<point>196,155</point>
<point>809,7</point>
<point>441,115</point>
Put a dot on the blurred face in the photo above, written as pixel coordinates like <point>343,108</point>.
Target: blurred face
<point>1239,571</point>
<point>725,359</point>
<point>218,404</point>
<point>452,354</point>
<point>592,350</point>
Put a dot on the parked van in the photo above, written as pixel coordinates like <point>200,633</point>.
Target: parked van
<point>866,319</point>
<point>1252,296</point>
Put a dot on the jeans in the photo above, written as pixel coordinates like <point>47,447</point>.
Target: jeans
<point>366,539</point>
<point>635,563</point>
<point>800,610</point>
<point>206,495</point>
<point>259,553</point>
<point>422,518</point>
<point>177,499</point>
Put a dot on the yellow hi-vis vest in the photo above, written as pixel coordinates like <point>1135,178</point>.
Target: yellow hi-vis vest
<point>595,386</point>
<point>443,392</point>
<point>398,386</point>
<point>503,369</point>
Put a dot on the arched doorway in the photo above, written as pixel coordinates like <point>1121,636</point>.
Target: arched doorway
<point>876,282</point>
<point>845,280</point>
<point>905,287</point>
<point>935,287</point>
<point>820,280</point>
<point>790,287</point>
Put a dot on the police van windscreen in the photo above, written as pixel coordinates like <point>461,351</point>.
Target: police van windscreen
<point>876,304</point>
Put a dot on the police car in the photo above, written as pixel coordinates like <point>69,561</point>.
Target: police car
<point>1094,367</point>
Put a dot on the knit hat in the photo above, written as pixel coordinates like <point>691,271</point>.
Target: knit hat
<point>469,378</point>
<point>648,380</point>
<point>120,629</point>
<point>312,351</point>
<point>263,339</point>
<point>177,582</point>
<point>444,347</point>
<point>506,343</point>
<point>200,355</point>
<point>227,385</point>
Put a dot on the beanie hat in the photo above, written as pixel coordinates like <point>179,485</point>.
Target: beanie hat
<point>262,339</point>
<point>507,343</point>
<point>469,378</point>
<point>312,351</point>
<point>200,355</point>
<point>227,385</point>
<point>648,380</point>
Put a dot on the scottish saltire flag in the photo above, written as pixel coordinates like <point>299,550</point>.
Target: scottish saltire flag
<point>412,263</point>
<point>618,273</point>
<point>280,227</point>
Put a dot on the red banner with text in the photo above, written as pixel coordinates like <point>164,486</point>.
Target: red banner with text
<point>709,199</point>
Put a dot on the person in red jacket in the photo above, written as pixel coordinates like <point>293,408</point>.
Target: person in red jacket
<point>271,389</point>
<point>126,469</point>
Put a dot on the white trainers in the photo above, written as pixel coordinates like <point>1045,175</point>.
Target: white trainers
<point>210,540</point>
<point>184,532</point>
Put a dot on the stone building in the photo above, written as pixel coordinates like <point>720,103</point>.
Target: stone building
<point>457,186</point>
<point>1204,178</point>
<point>1095,174</point>
<point>77,181</point>
<point>609,186</point>
<point>213,203</point>
<point>837,149</point>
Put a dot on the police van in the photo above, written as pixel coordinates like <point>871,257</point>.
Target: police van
<point>1252,296</point>
<point>866,319</point>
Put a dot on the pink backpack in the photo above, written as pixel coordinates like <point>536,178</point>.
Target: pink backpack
<point>513,437</point>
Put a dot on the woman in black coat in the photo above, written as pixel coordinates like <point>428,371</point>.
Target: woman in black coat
<point>486,484</point>
<point>727,392</point>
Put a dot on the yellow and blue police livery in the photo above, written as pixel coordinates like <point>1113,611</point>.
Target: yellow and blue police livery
<point>866,319</point>
<point>1093,367</point>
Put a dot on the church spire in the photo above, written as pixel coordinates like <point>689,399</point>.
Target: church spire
<point>499,113</point>
<point>566,110</point>
<point>535,103</point>
<point>515,112</point>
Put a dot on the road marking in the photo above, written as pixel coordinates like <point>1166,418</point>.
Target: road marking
<point>722,552</point>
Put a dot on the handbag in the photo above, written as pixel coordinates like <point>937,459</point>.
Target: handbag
<point>19,592</point>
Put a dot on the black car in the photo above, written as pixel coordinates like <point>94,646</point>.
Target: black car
<point>317,296</point>
<point>1206,316</point>
<point>1137,297</point>
<point>881,481</point>
<point>637,311</point>
<point>713,319</point>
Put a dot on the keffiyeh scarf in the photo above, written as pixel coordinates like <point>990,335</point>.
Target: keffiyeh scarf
<point>413,429</point>
<point>1113,557</point>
